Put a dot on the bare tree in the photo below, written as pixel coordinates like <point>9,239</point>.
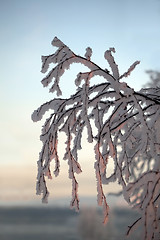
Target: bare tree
<point>123,125</point>
<point>154,79</point>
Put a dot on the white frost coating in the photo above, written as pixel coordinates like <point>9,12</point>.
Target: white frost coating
<point>131,68</point>
<point>46,61</point>
<point>78,79</point>
<point>88,53</point>
<point>122,123</point>
<point>48,79</point>
<point>53,104</point>
<point>84,76</point>
<point>108,56</point>
<point>57,43</point>
<point>77,143</point>
<point>126,90</point>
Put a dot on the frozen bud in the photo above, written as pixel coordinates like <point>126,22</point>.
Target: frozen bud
<point>88,53</point>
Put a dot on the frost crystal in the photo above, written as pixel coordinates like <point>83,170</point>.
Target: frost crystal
<point>127,133</point>
<point>88,53</point>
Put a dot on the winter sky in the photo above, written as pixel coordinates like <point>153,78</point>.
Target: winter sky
<point>27,29</point>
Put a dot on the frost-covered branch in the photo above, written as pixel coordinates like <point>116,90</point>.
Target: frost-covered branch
<point>122,124</point>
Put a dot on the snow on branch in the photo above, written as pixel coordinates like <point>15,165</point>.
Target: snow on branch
<point>127,133</point>
<point>131,68</point>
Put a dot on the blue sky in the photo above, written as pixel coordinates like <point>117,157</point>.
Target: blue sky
<point>27,29</point>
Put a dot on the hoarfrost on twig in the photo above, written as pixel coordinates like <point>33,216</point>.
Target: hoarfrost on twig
<point>127,134</point>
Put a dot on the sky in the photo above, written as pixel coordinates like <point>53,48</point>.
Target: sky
<point>27,29</point>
